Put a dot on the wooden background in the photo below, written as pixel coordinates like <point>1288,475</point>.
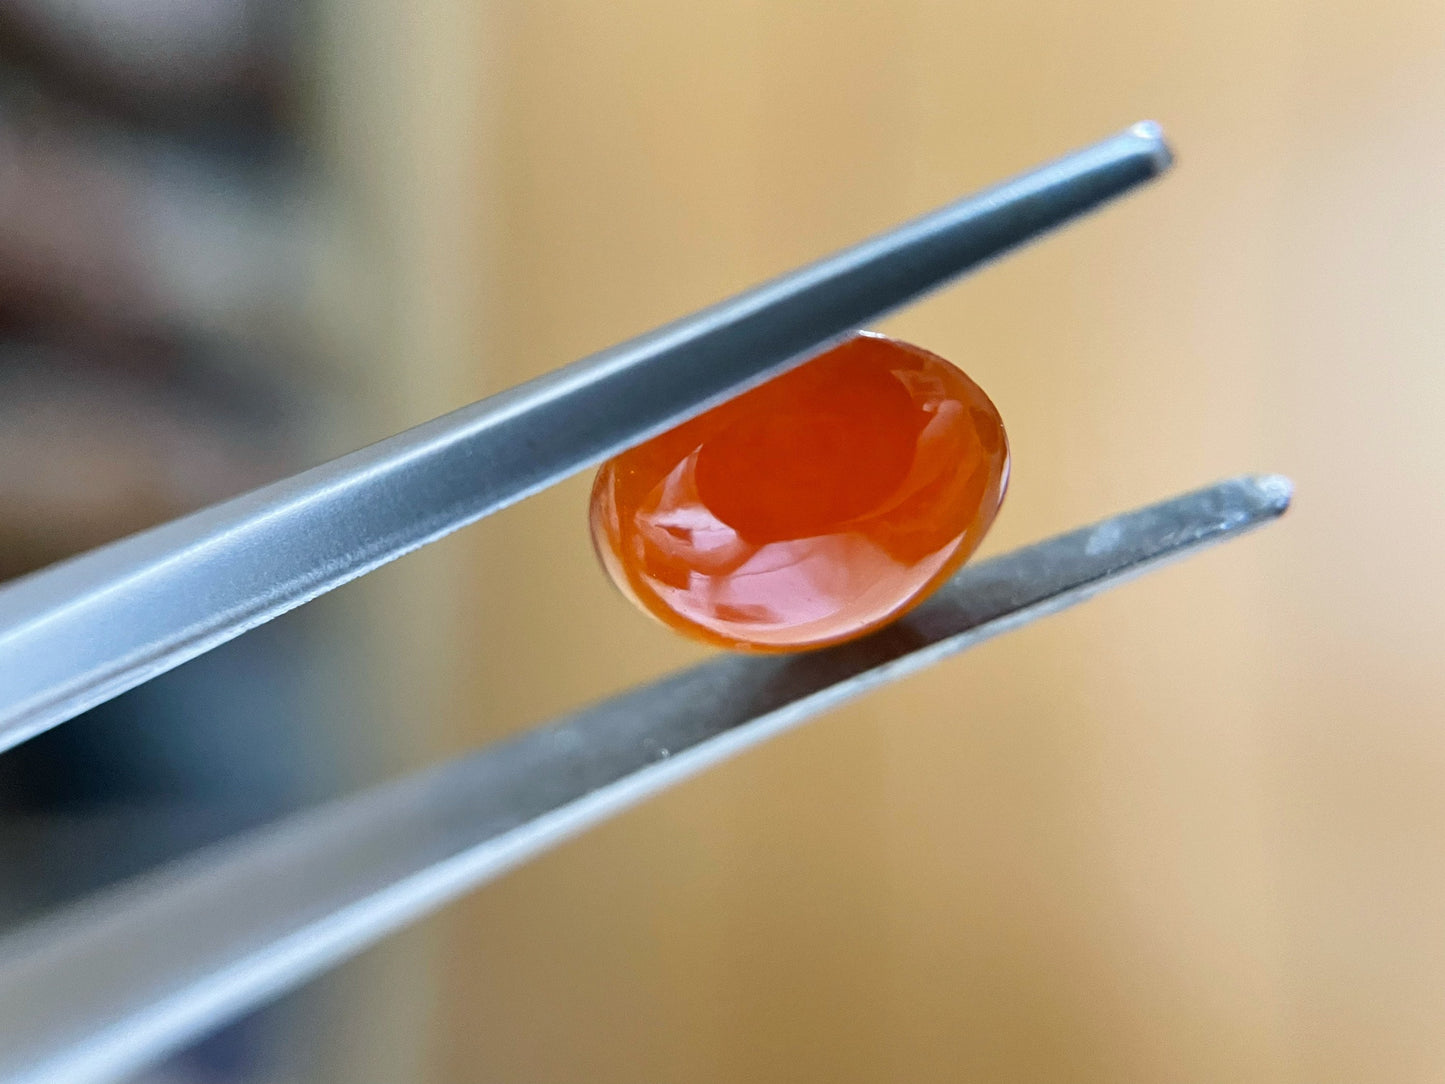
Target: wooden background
<point>1190,832</point>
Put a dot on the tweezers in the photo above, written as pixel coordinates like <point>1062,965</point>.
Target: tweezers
<point>102,988</point>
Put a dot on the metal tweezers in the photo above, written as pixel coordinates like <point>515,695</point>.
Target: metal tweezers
<point>105,987</point>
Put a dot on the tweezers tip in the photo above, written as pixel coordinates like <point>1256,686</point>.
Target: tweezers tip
<point>1151,133</point>
<point>1276,489</point>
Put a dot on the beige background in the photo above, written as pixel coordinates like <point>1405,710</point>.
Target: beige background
<point>1194,831</point>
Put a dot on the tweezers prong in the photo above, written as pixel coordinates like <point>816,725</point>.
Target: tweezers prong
<point>94,994</point>
<point>85,630</point>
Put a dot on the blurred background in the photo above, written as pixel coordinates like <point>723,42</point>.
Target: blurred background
<point>1188,832</point>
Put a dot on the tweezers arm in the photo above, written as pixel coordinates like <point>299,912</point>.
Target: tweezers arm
<point>88,629</point>
<point>98,992</point>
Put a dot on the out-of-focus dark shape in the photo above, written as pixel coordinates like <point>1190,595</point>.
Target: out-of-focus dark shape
<point>69,263</point>
<point>131,254</point>
<point>154,358</point>
<point>107,455</point>
<point>202,67</point>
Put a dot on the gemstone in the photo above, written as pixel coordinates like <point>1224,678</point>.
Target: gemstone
<point>811,509</point>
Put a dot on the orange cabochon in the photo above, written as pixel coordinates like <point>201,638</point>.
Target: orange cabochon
<point>812,509</point>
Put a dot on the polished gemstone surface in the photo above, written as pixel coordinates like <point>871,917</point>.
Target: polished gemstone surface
<point>809,510</point>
